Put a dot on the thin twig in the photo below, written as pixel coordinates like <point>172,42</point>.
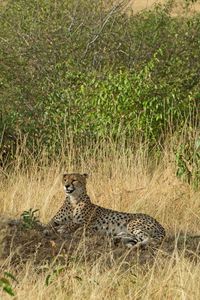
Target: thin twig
<point>107,18</point>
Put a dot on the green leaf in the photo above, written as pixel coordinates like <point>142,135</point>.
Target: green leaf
<point>9,290</point>
<point>48,280</point>
<point>4,281</point>
<point>10,276</point>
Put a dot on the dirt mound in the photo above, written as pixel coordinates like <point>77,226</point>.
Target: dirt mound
<point>19,244</point>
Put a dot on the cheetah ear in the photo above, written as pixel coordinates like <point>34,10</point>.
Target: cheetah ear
<point>85,175</point>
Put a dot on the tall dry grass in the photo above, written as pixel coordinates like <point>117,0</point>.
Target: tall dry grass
<point>126,180</point>
<point>178,9</point>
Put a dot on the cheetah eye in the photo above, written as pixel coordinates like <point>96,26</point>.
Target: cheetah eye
<point>74,181</point>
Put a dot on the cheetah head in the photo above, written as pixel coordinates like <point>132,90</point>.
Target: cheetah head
<point>74,183</point>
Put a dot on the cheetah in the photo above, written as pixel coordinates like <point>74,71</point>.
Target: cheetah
<point>133,229</point>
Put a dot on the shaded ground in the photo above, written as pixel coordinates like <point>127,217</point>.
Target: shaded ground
<point>18,245</point>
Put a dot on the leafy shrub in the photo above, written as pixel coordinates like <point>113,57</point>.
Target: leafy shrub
<point>78,68</point>
<point>29,218</point>
<point>187,156</point>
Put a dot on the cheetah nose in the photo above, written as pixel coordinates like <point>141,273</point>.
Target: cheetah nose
<point>69,188</point>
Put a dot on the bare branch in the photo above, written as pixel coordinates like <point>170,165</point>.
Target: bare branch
<point>113,10</point>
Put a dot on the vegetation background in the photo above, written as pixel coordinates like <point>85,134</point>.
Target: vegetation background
<point>111,89</point>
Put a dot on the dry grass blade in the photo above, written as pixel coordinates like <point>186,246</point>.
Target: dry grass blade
<point>90,267</point>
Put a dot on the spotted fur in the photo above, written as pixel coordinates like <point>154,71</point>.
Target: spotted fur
<point>78,211</point>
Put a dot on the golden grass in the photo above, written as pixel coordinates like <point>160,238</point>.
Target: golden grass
<point>138,5</point>
<point>122,180</point>
<point>179,6</point>
<point>175,279</point>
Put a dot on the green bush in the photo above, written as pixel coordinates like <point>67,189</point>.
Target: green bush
<point>75,67</point>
